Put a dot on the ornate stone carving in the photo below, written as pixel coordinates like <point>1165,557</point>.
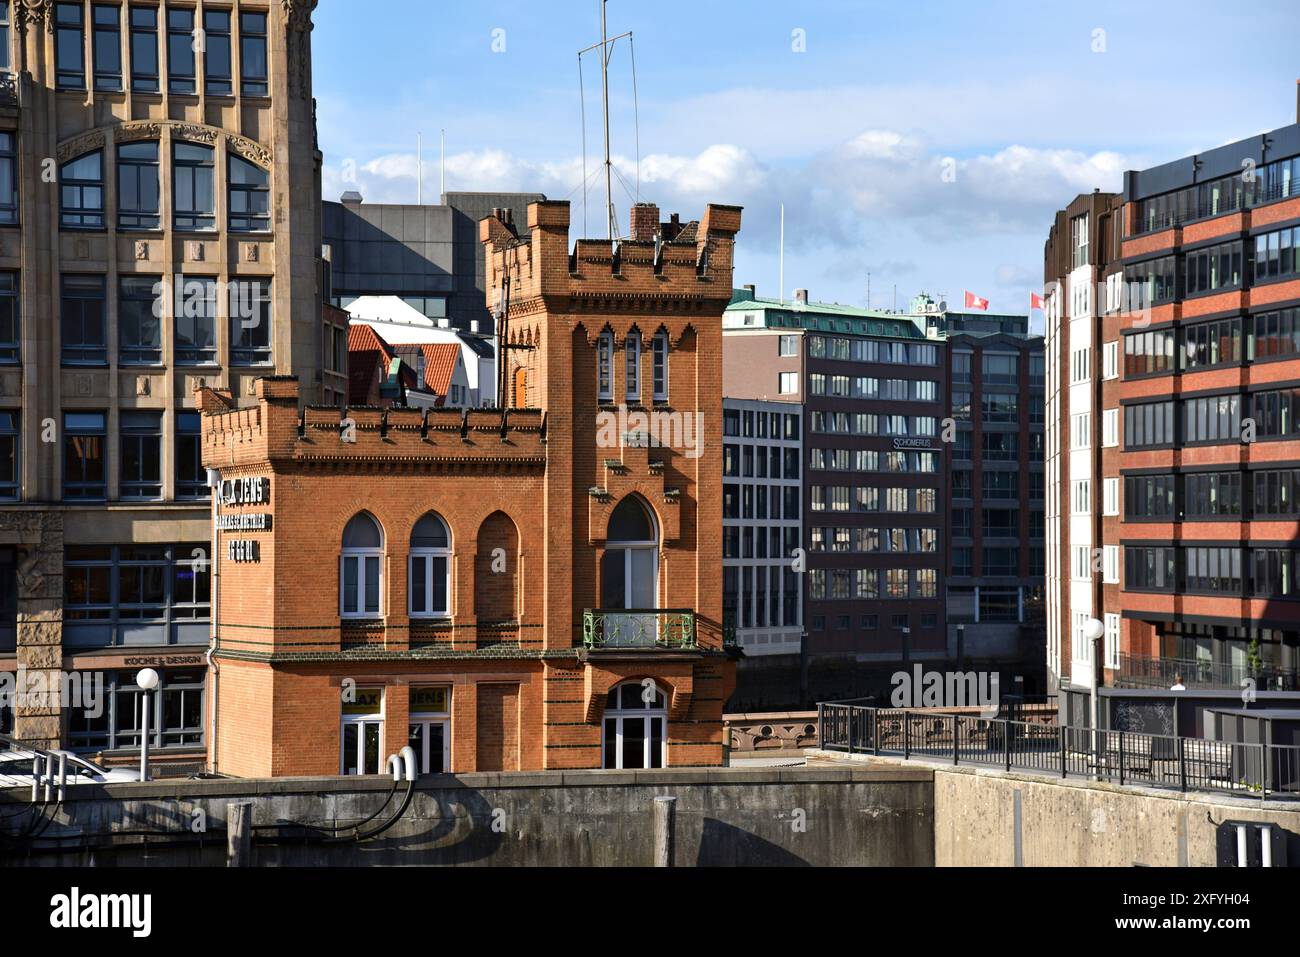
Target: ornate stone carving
<point>143,385</point>
<point>253,152</point>
<point>84,143</point>
<point>137,130</point>
<point>196,251</point>
<point>141,250</point>
<point>194,133</point>
<point>251,252</point>
<point>35,12</point>
<point>298,27</point>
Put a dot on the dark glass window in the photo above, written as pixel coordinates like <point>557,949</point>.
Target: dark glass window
<point>250,322</point>
<point>1275,492</point>
<point>191,477</point>
<point>140,455</point>
<point>1150,283</point>
<point>10,449</point>
<point>108,47</point>
<point>139,320</point>
<point>83,456</point>
<point>176,713</point>
<point>250,197</point>
<point>10,319</point>
<point>1275,254</point>
<point>1272,572</point>
<point>1211,343</point>
<point>81,192</point>
<point>1149,424</point>
<point>82,311</point>
<point>1212,268</point>
<point>1149,568</point>
<point>1212,494</point>
<point>180,51</point>
<point>196,320</point>
<point>8,179</point>
<point>1212,569</point>
<point>1149,353</point>
<point>1274,413</point>
<point>4,51</point>
<point>1149,496</point>
<point>193,175</point>
<point>69,47</point>
<point>137,186</point>
<point>252,54</point>
<point>216,53</point>
<point>1275,334</point>
<point>144,49</point>
<point>1212,419</point>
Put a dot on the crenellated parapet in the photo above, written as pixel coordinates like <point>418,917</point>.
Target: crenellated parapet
<point>679,267</point>
<point>278,432</point>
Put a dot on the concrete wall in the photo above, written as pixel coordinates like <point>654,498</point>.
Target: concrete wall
<point>802,816</point>
<point>1075,823</point>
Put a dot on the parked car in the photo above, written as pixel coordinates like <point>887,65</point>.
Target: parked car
<point>16,770</point>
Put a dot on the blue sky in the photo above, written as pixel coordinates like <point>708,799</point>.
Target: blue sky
<point>1024,104</point>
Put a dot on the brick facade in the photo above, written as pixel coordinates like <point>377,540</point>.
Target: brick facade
<point>526,496</point>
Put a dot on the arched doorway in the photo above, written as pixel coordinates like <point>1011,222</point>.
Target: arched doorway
<point>636,718</point>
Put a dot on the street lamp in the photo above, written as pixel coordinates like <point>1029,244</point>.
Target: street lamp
<point>147,680</point>
<point>1093,630</point>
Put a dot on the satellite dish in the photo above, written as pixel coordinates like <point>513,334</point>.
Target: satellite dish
<point>943,306</point>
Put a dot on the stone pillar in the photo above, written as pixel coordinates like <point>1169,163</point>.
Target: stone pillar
<point>39,536</point>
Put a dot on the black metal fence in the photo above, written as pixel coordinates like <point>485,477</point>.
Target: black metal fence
<point>1123,757</point>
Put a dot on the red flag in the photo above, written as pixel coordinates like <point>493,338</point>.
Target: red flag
<point>1036,301</point>
<point>975,302</point>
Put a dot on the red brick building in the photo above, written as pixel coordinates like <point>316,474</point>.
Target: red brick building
<point>523,588</point>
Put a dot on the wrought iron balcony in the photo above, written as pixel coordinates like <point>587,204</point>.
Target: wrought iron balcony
<point>1143,671</point>
<point>638,628</point>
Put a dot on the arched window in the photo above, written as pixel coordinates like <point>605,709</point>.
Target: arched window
<point>630,569</point>
<point>250,197</point>
<point>137,186</point>
<point>193,186</point>
<point>429,568</point>
<point>636,714</point>
<point>659,346</point>
<point>361,568</point>
<point>632,369</point>
<point>81,192</point>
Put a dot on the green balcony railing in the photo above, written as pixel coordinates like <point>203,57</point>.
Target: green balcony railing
<point>638,628</point>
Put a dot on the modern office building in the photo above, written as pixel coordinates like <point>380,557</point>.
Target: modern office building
<point>428,255</point>
<point>762,524</point>
<point>159,232</point>
<point>995,508</point>
<point>1173,359</point>
<point>525,588</point>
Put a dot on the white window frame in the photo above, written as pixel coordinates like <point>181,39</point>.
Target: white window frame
<point>659,346</point>
<point>1110,496</point>
<point>605,367</point>
<point>429,719</point>
<point>428,554</point>
<point>362,720</point>
<point>359,557</point>
<point>621,715</point>
<point>787,377</point>
<point>632,367</point>
<point>1110,564</point>
<point>1112,640</point>
<point>1109,428</point>
<point>1110,360</point>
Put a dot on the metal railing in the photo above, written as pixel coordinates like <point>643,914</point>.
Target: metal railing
<point>1123,757</point>
<point>638,628</point>
<point>1144,671</point>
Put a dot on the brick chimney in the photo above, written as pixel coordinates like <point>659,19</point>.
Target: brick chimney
<point>645,222</point>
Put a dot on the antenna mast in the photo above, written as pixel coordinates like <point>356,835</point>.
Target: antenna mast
<point>604,79</point>
<point>419,169</point>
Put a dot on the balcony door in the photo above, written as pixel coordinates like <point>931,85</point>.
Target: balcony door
<point>630,575</point>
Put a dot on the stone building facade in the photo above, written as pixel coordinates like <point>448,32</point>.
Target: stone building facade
<point>159,233</point>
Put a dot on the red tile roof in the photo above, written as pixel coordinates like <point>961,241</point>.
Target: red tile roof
<point>369,358</point>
